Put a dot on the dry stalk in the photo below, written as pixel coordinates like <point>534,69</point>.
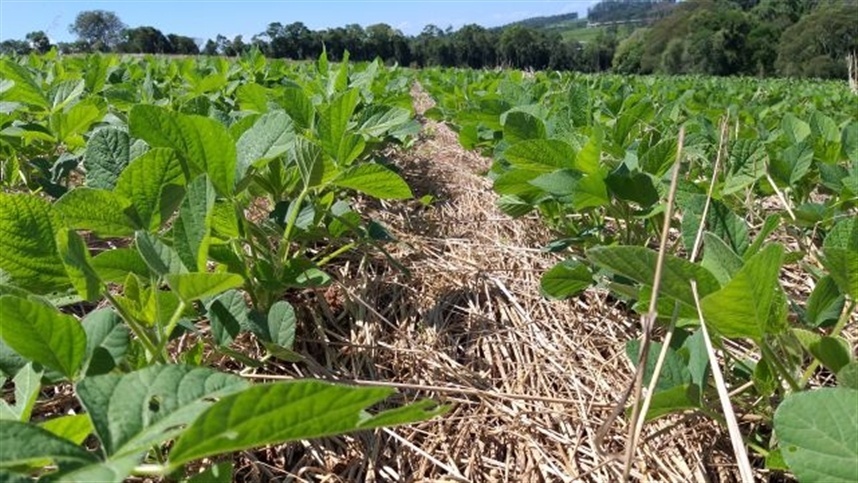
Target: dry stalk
<point>738,443</point>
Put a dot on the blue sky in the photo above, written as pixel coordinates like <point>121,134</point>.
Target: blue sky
<point>206,19</point>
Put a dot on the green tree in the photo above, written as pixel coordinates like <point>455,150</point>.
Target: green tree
<point>100,29</point>
<point>629,52</point>
<point>817,45</point>
<point>38,41</point>
<point>144,40</point>
<point>183,45</point>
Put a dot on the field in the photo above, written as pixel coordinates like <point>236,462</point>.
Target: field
<point>254,270</point>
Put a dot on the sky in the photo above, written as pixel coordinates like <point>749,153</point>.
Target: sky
<point>205,19</point>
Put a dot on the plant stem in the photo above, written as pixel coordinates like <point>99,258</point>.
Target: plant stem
<point>290,224</point>
<point>779,367</point>
<point>339,251</point>
<point>138,330</point>
<point>841,323</point>
<point>174,320</point>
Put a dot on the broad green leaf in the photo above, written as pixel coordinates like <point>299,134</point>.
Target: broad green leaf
<point>567,278</point>
<point>289,411</point>
<point>25,443</point>
<point>638,264</point>
<point>849,143</point>
<point>746,164</point>
<point>719,258</point>
<point>563,182</point>
<point>793,164</point>
<point>253,97</point>
<point>589,159</point>
<point>674,371</point>
<point>299,107</point>
<point>113,470</point>
<point>334,121</point>
<point>795,129</point>
<point>192,228</point>
<point>69,126</point>
<point>43,334</point>
<point>375,180</point>
<point>65,92</point>
<point>818,433</point>
<point>106,156</point>
<point>541,155</point>
<point>30,257</point>
<point>308,159</point>
<point>382,120</point>
<point>114,265</point>
<point>848,376</point>
<point>151,182</point>
<point>76,259</point>
<point>228,314</point>
<point>160,258</point>
<point>839,249</point>
<point>132,412</point>
<point>676,399</point>
<point>271,135</point>
<point>202,143</point>
<point>521,126</point>
<point>25,89</point>
<point>636,187</point>
<point>193,286</point>
<point>27,386</point>
<point>281,324</point>
<point>95,74</point>
<point>107,341</point>
<point>833,352</point>
<point>743,306</point>
<point>770,225</point>
<point>720,220</point>
<point>105,213</point>
<point>592,192</point>
<point>825,303</point>
<point>72,427</point>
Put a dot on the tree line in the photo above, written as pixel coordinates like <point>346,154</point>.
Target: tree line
<point>808,38</point>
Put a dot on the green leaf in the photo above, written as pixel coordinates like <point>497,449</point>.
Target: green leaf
<point>151,183</point>
<point>334,122</point>
<point>132,412</point>
<point>27,387</point>
<point>839,249</point>
<point>825,303</point>
<point>102,212</point>
<point>270,136</point>
<point>30,257</point>
<point>567,278</point>
<point>73,427</point>
<point>114,469</point>
<point>793,164</point>
<point>742,308</point>
<point>375,180</point>
<point>638,264</point>
<point>25,443</point>
<point>308,158</point>
<point>589,159</point>
<point>42,334</point>
<point>848,376</point>
<point>106,156</point>
<point>160,258</point>
<point>114,265</point>
<point>795,129</point>
<point>71,124</point>
<point>521,126</point>
<point>25,89</point>
<point>636,187</point>
<point>592,192</point>
<point>76,259</point>
<point>289,411</point>
<point>563,182</point>
<point>299,106</point>
<point>674,371</point>
<point>541,155</point>
<point>281,324</point>
<point>202,143</point>
<point>107,341</point>
<point>746,164</point>
<point>228,314</point>
<point>679,398</point>
<point>382,120</point>
<point>193,286</point>
<point>192,228</point>
<point>720,220</point>
<point>849,143</point>
<point>719,258</point>
<point>818,432</point>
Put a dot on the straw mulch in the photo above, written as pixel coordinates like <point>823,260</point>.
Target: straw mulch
<point>530,380</point>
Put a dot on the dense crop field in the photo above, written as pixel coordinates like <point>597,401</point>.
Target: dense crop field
<point>148,202</point>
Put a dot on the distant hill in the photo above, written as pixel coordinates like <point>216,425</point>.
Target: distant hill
<point>550,22</point>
